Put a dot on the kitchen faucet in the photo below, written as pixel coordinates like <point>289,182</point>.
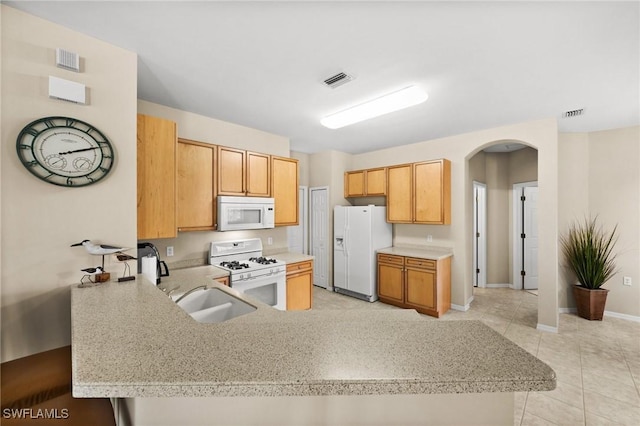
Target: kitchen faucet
<point>200,287</point>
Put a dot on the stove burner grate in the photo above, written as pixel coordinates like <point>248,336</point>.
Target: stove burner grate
<point>234,265</point>
<point>262,260</point>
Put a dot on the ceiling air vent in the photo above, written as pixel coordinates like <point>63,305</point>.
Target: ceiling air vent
<point>573,113</point>
<point>338,80</point>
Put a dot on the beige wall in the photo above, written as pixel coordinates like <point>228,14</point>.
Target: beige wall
<point>497,175</point>
<point>39,220</point>
<point>303,167</point>
<point>541,135</point>
<point>192,248</point>
<point>326,169</point>
<point>600,176</point>
<point>500,171</point>
<point>614,196</point>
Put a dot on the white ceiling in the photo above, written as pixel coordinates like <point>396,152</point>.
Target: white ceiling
<point>261,64</point>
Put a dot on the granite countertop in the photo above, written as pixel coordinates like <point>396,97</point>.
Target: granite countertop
<point>422,252</point>
<point>290,257</point>
<point>130,340</point>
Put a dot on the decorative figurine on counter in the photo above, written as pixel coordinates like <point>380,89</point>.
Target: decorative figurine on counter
<point>90,272</point>
<point>99,250</point>
<point>126,275</point>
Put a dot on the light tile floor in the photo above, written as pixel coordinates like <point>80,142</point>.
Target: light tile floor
<point>597,363</point>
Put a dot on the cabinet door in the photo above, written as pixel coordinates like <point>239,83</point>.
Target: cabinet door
<point>258,175</point>
<point>299,291</point>
<point>156,177</point>
<point>420,288</point>
<point>284,190</point>
<point>196,186</point>
<point>354,184</point>
<point>399,194</point>
<point>231,171</point>
<point>432,192</point>
<point>376,182</point>
<point>391,282</point>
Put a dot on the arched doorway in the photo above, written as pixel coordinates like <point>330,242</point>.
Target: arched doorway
<point>495,169</point>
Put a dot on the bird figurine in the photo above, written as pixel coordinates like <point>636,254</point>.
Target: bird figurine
<point>90,272</point>
<point>122,257</point>
<point>126,275</point>
<point>98,249</point>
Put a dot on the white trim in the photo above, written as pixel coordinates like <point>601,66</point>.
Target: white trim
<point>516,192</point>
<point>547,328</point>
<point>502,285</point>
<point>622,316</point>
<point>461,308</point>
<point>480,225</point>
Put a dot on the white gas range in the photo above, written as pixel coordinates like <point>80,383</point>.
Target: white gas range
<point>259,277</point>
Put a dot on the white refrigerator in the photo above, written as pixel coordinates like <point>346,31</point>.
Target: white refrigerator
<point>357,233</point>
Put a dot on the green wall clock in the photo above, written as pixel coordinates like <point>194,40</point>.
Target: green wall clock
<point>65,151</point>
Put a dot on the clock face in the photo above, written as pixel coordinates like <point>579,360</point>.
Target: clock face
<point>65,151</point>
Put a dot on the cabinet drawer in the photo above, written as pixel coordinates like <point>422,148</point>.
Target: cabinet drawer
<point>299,266</point>
<point>421,263</point>
<point>390,258</point>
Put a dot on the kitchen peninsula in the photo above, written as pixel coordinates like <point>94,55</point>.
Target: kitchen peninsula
<point>133,343</point>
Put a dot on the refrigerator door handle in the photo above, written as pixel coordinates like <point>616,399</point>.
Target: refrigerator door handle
<point>346,241</point>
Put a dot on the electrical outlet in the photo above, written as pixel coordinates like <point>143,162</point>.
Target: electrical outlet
<point>429,238</point>
<point>269,241</point>
<point>169,251</point>
<point>626,281</point>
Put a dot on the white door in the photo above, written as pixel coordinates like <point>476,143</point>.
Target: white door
<point>319,230</point>
<point>530,231</point>
<point>479,234</point>
<point>297,236</point>
<point>339,247</point>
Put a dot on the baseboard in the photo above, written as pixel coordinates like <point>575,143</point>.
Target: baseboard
<point>622,316</point>
<point>606,314</point>
<point>507,285</point>
<point>547,328</point>
<point>461,308</point>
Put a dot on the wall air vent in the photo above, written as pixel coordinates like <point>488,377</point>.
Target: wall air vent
<point>67,60</point>
<point>337,80</point>
<point>573,113</point>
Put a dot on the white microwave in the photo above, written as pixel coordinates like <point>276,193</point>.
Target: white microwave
<point>239,213</point>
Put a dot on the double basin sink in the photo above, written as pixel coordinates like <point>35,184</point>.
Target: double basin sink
<point>212,305</point>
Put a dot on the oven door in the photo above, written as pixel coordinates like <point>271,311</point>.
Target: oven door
<point>269,289</point>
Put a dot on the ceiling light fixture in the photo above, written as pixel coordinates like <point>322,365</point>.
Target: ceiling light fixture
<point>400,99</point>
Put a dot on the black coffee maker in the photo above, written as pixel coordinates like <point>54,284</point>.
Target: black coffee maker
<point>148,249</point>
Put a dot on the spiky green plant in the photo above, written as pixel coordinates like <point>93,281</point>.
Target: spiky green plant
<point>589,252</point>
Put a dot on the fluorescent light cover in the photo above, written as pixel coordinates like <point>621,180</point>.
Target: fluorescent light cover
<point>403,98</point>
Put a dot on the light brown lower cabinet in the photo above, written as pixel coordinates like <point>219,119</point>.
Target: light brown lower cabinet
<point>299,285</point>
<point>223,281</point>
<point>420,284</point>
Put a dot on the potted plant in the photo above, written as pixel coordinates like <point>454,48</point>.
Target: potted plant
<point>588,250</point>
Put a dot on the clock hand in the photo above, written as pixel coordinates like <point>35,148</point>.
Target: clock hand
<point>79,150</point>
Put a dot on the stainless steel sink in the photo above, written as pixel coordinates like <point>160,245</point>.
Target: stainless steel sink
<point>212,305</point>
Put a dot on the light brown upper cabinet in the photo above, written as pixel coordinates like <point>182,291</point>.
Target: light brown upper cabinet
<point>258,175</point>
<point>432,192</point>
<point>365,183</point>
<point>243,173</point>
<point>354,184</point>
<point>400,194</point>
<point>419,193</point>
<point>156,177</point>
<point>196,186</point>
<point>284,190</point>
